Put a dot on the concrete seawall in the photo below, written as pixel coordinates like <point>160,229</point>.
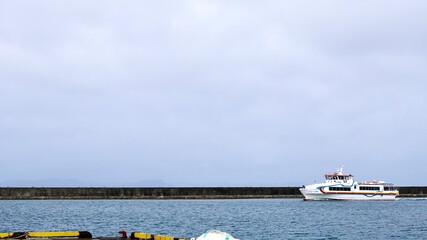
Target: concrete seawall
<point>414,191</point>
<point>149,193</point>
<point>16,193</point>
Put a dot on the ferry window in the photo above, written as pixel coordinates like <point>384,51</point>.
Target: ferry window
<point>339,189</point>
<point>370,188</point>
<point>390,188</point>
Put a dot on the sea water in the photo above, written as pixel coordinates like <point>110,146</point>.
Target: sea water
<point>244,219</point>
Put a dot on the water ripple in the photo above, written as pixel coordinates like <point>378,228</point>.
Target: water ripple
<point>245,219</point>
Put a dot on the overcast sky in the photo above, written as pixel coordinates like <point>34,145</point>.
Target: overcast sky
<point>213,93</point>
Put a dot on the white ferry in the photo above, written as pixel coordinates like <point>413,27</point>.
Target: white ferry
<point>339,186</point>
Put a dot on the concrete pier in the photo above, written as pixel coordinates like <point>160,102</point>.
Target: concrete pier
<point>16,193</point>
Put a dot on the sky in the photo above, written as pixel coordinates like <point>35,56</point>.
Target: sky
<point>212,93</point>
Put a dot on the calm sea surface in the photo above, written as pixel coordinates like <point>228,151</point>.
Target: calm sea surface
<point>244,219</point>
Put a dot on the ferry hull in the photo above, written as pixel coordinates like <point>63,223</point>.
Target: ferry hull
<point>314,194</point>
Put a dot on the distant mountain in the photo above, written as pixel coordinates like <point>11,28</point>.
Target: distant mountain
<point>54,182</point>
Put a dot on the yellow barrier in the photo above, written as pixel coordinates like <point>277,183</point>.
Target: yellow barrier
<point>144,236</point>
<point>149,236</point>
<point>53,234</point>
<point>5,235</point>
<point>81,234</point>
<point>160,237</point>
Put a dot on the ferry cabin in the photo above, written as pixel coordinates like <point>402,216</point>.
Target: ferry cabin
<point>347,179</point>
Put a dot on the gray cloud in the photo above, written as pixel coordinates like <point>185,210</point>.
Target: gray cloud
<point>205,93</point>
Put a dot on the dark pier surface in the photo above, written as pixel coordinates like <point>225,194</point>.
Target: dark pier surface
<point>168,192</point>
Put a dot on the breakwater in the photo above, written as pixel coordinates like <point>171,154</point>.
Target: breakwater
<point>16,193</point>
<point>148,192</point>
